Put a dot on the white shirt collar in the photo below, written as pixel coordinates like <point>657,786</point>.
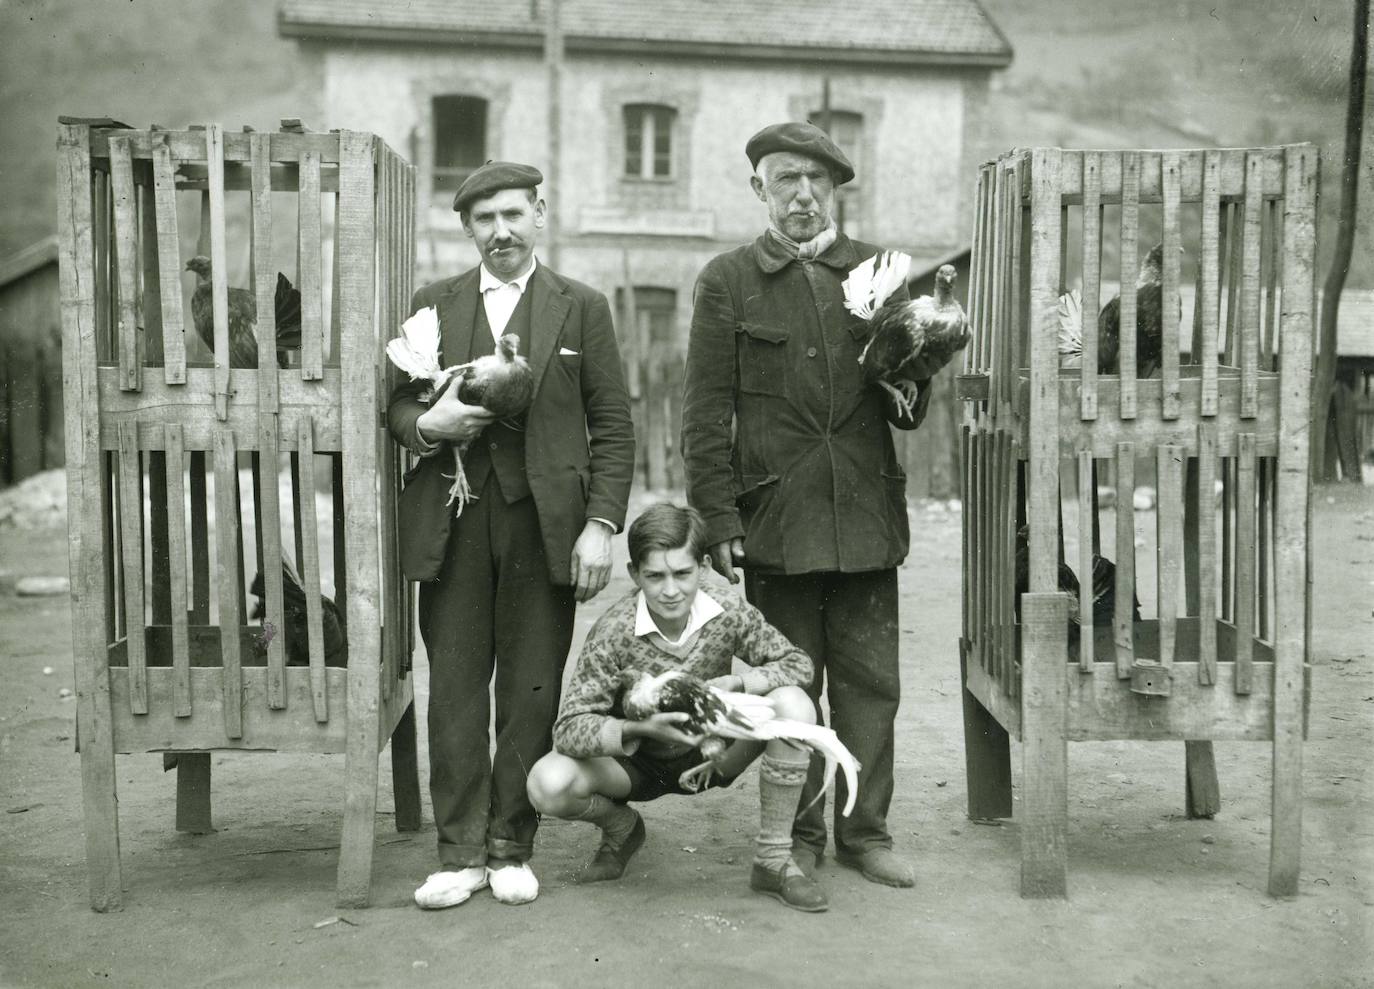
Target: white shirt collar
<point>488,281</point>
<point>704,608</point>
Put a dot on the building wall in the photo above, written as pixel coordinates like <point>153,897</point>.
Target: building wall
<point>918,126</point>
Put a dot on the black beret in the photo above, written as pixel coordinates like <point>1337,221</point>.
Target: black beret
<point>491,178</point>
<point>802,139</point>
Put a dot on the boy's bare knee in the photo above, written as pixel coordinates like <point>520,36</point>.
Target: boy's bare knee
<point>794,704</point>
<point>551,782</point>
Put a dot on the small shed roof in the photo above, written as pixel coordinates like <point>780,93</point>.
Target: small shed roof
<point>903,31</point>
<point>29,259</point>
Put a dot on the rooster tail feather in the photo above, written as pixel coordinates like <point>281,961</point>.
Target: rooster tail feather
<point>1070,313</point>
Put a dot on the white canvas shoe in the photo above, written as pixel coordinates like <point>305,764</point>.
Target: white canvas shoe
<point>513,883</point>
<point>450,888</point>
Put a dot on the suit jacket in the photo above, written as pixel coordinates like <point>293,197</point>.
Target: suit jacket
<point>579,438</point>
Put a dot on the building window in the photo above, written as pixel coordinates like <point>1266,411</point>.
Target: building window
<point>649,141</point>
<point>460,139</point>
<point>846,129</point>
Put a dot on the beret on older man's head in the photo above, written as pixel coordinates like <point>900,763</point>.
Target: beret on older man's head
<point>491,178</point>
<point>802,139</point>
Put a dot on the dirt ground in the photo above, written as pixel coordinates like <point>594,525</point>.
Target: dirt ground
<point>1155,899</point>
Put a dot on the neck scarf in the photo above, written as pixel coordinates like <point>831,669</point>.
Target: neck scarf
<point>811,249</point>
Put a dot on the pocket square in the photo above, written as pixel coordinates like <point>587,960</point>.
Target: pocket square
<point>565,352</point>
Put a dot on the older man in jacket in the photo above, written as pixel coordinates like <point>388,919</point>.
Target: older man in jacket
<point>499,583</point>
<point>790,460</point>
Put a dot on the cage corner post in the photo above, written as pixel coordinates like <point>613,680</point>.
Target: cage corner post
<point>357,284</point>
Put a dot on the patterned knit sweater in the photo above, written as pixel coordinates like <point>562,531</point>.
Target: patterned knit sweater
<point>591,719</point>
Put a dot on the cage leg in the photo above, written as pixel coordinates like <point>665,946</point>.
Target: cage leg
<point>100,807</point>
<point>1044,748</point>
<point>405,772</point>
<point>987,755</point>
<point>193,792</point>
<point>1203,795</point>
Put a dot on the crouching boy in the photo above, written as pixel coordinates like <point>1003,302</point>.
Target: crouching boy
<point>601,759</point>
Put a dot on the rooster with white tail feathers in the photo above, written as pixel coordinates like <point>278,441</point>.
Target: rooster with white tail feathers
<point>723,716</point>
<point>502,382</point>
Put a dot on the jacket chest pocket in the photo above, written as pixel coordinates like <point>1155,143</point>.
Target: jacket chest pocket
<point>761,350</point>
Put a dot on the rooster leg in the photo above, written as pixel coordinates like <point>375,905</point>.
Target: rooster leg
<point>460,492</point>
<point>903,394</point>
<point>697,778</point>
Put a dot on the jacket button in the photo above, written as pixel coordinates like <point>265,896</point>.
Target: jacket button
<point>493,446</point>
<point>810,351</point>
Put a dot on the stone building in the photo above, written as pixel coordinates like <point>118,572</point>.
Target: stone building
<point>656,102</point>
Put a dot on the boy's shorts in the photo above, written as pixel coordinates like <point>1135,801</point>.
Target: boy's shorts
<point>653,776</point>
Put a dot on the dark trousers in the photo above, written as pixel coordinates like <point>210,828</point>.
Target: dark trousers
<point>491,609</point>
<point>847,624</point>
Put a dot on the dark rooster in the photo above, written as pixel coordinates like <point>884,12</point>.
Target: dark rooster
<point>243,317</point>
<point>912,339</point>
<point>294,620</point>
<point>1104,588</point>
<point>1149,332</point>
<point>725,715</point>
<point>502,382</point>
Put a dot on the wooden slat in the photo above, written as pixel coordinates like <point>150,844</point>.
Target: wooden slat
<point>229,579</point>
<point>356,301</point>
<point>998,569</point>
<point>309,244</point>
<point>980,619</point>
<point>998,242</point>
<point>1292,564</point>
<point>169,267</point>
<point>150,301</point>
<point>1232,174</point>
<point>267,497</point>
<point>1228,514</point>
<point>1020,253</point>
<point>334,291</point>
<point>1206,512</point>
<point>1123,624</point>
<point>88,504</point>
<point>1245,563</point>
<point>176,549</point>
<point>264,277</point>
<point>1169,397</point>
<point>1087,518</point>
<point>1234,262</point>
<point>219,261</point>
<point>1044,405</point>
<point>1207,300</point>
<point>310,572</point>
<point>966,532</point>
<point>126,265</point>
<point>1169,520</point>
<point>1044,789</point>
<point>1130,235</point>
<point>1264,545</point>
<point>190,145</point>
<point>1249,290</point>
<point>104,291</point>
<point>1092,278</point>
<point>1011,686</point>
<point>979,265</point>
<point>131,534</point>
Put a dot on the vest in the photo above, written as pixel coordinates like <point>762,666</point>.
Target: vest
<point>499,448</point>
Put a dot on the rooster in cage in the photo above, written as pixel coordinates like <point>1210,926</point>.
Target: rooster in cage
<point>1149,333</point>
<point>243,316</point>
<point>501,382</point>
<point>295,623</point>
<point>911,338</point>
<point>722,716</point>
<point>1103,587</point>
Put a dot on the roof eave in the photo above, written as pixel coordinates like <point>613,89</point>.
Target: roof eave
<point>534,41</point>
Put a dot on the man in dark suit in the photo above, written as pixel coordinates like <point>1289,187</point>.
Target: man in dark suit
<point>500,581</point>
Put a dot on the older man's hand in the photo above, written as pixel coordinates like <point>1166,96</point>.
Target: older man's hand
<point>451,419</point>
<point>727,555</point>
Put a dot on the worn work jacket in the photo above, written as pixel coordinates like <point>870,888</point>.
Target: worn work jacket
<point>784,442</point>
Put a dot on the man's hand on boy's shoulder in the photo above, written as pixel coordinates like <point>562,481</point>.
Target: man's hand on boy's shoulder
<point>662,726</point>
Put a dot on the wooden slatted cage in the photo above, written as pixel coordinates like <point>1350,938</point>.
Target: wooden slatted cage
<point>1218,558</point>
<point>175,455</point>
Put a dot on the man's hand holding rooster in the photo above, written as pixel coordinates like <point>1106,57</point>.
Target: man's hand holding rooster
<point>449,418</point>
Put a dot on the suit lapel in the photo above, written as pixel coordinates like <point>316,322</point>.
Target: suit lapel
<point>457,318</point>
<point>550,308</point>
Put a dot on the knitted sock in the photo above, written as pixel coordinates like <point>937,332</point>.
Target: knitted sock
<point>616,820</point>
<point>780,787</point>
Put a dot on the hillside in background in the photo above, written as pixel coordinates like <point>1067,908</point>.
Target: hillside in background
<point>1087,73</point>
